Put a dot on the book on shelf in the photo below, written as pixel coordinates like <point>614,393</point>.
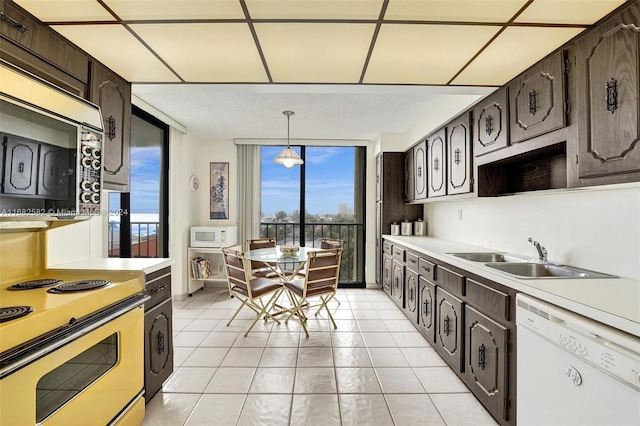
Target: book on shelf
<point>200,268</point>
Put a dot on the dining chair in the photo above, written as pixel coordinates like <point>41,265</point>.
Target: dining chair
<point>259,269</point>
<point>249,291</point>
<point>320,280</point>
<point>325,244</point>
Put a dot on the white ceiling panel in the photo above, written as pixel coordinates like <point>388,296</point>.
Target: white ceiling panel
<point>568,11</point>
<point>512,52</point>
<point>453,10</point>
<point>314,9</point>
<point>424,54</point>
<point>176,9</point>
<point>320,53</point>
<point>206,52</point>
<point>115,47</point>
<point>66,10</point>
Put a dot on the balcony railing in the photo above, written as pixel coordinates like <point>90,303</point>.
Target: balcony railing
<point>144,239</point>
<point>352,264</point>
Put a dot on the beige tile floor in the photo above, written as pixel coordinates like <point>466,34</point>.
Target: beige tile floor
<point>374,369</point>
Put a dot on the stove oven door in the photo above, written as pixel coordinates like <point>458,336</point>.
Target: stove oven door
<point>92,378</point>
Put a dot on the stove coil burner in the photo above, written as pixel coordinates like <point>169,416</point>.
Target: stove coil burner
<point>13,312</point>
<point>28,285</point>
<point>75,286</point>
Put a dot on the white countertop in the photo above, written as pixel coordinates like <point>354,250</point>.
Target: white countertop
<point>612,301</point>
<point>144,264</point>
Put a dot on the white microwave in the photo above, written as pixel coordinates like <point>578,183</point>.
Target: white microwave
<point>214,236</point>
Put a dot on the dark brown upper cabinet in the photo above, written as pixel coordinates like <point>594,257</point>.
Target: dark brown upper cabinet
<point>408,176</point>
<point>607,68</point>
<point>537,99</point>
<point>113,95</point>
<point>436,159</point>
<point>490,123</point>
<point>459,155</point>
<point>420,170</point>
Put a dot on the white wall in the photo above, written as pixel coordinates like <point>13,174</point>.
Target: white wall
<point>596,229</point>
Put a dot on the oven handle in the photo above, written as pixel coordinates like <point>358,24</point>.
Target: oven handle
<point>63,341</point>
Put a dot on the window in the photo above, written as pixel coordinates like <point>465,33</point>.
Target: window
<point>328,188</point>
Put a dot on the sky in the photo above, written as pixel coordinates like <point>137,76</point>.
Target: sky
<point>144,183</point>
<point>329,177</point>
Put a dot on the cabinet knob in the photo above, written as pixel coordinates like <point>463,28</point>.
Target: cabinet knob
<point>426,307</point>
<point>160,346</point>
<point>447,325</point>
<point>481,356</point>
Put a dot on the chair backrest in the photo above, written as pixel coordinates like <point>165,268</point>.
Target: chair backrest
<point>322,270</point>
<point>259,243</point>
<point>236,271</point>
<point>330,243</point>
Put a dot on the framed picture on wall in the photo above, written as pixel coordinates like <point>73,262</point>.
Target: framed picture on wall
<point>219,200</point>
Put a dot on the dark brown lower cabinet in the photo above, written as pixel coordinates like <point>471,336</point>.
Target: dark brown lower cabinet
<point>486,362</point>
<point>449,328</point>
<point>427,309</point>
<point>158,348</point>
<point>411,295</point>
<point>397,284</point>
<point>387,272</point>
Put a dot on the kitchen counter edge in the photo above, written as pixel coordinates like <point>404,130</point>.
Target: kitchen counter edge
<point>146,265</point>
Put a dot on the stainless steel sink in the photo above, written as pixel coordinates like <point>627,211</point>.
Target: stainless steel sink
<point>487,257</point>
<point>546,270</point>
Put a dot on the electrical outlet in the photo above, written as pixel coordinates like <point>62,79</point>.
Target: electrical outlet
<point>459,214</point>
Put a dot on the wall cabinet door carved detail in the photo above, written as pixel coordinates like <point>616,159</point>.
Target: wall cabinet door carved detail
<point>537,99</point>
<point>397,283</point>
<point>459,155</point>
<point>449,328</point>
<point>486,355</point>
<point>437,171</point>
<point>609,106</point>
<point>419,170</point>
<point>20,168</point>
<point>490,127</point>
<point>113,95</point>
<point>427,309</point>
<point>411,294</point>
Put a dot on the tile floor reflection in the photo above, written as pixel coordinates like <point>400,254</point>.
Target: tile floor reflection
<point>374,369</point>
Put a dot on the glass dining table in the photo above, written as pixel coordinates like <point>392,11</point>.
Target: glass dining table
<point>286,266</point>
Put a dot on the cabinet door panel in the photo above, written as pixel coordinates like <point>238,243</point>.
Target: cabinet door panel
<point>419,170</point>
<point>486,365</point>
<point>459,155</point>
<point>387,274</point>
<point>53,172</point>
<point>409,173</point>
<point>113,95</point>
<point>158,344</point>
<point>537,100</point>
<point>378,176</point>
<point>397,285</point>
<point>449,331</point>
<point>426,309</point>
<point>609,108</point>
<point>411,296</point>
<point>436,176</point>
<point>20,169</point>
<point>491,127</point>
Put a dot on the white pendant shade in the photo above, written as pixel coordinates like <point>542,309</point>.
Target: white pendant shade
<point>288,157</point>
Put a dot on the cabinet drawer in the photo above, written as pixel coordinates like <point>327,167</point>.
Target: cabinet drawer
<point>398,253</point>
<point>387,248</point>
<point>158,287</point>
<point>488,299</point>
<point>412,261</point>
<point>450,280</point>
<point>427,269</point>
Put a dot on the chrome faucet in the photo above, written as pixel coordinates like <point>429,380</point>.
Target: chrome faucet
<point>542,252</point>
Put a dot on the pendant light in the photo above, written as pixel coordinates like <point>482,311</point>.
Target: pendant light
<point>288,157</point>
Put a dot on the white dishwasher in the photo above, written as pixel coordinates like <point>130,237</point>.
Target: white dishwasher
<point>573,370</point>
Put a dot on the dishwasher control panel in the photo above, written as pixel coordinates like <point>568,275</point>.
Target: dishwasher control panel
<point>611,351</point>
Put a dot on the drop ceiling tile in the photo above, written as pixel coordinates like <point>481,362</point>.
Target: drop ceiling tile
<point>568,11</point>
<point>424,54</point>
<point>321,53</point>
<point>512,52</point>
<point>198,52</point>
<point>453,10</point>
<point>66,10</point>
<point>176,9</point>
<point>115,47</point>
<point>314,9</point>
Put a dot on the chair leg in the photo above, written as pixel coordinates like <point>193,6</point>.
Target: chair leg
<point>297,310</point>
<point>237,311</point>
<point>263,311</point>
<point>324,305</point>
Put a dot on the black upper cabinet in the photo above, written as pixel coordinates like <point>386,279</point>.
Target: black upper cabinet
<point>459,179</point>
<point>537,99</point>
<point>607,67</point>
<point>490,123</point>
